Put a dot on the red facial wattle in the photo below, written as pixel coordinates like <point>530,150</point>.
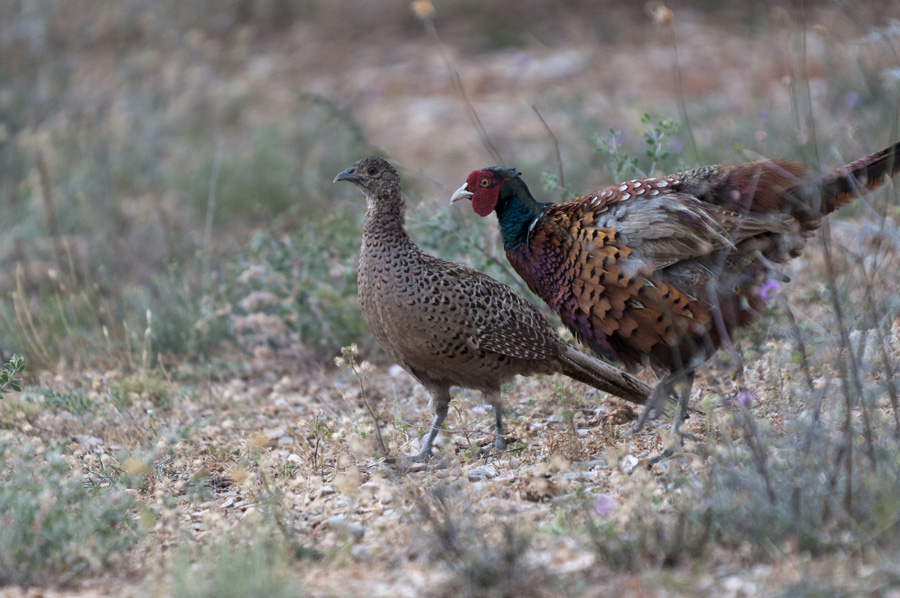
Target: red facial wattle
<point>484,199</point>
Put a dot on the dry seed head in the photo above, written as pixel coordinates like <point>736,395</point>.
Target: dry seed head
<point>134,466</point>
<point>257,441</point>
<point>423,9</point>
<point>659,12</point>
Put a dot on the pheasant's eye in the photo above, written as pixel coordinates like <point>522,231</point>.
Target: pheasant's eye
<point>485,182</point>
<point>371,171</point>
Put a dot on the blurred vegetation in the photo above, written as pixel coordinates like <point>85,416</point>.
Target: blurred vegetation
<point>55,529</point>
<point>129,204</point>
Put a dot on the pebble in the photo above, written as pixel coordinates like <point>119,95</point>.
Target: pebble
<point>378,490</point>
<point>628,463</point>
<point>87,440</point>
<point>340,524</point>
<point>362,552</point>
<point>294,459</point>
<point>275,434</point>
<point>481,472</point>
<point>325,491</point>
<point>589,465</point>
<point>395,370</point>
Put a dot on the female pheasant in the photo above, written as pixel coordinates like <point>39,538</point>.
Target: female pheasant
<point>449,325</point>
<point>662,270</point>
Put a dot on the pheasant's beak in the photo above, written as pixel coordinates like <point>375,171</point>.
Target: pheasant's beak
<point>461,193</point>
<point>347,175</point>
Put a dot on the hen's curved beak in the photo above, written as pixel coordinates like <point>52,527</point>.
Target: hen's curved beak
<point>347,175</point>
<point>461,193</point>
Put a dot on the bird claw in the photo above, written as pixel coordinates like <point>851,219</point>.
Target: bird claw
<point>653,408</point>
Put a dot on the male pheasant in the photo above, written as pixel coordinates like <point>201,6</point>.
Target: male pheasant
<point>449,325</point>
<point>661,270</point>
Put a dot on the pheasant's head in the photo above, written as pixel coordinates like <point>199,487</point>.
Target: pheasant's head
<point>375,176</point>
<point>483,188</point>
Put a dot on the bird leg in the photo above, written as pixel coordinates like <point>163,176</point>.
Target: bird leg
<point>440,414</point>
<point>493,398</point>
<point>666,388</point>
<point>678,418</point>
<point>655,401</point>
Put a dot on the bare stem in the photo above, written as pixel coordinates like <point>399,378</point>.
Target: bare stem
<point>559,164</point>
<point>362,393</point>
<point>461,91</point>
<point>210,211</point>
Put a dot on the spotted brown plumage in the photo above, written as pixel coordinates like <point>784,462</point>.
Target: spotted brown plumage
<point>449,325</point>
<point>661,270</point>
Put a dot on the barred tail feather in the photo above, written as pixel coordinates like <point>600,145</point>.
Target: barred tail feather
<point>842,185</point>
<point>602,376</point>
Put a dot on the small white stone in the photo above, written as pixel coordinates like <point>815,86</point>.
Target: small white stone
<point>628,463</point>
<point>276,433</point>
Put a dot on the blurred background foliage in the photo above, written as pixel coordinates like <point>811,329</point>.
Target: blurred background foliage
<point>165,167</point>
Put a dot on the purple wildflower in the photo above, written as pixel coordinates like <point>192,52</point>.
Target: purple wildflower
<point>852,99</point>
<point>604,504</point>
<point>743,398</point>
<point>481,409</point>
<point>767,289</point>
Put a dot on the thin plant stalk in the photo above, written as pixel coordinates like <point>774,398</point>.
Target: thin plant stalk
<point>460,89</point>
<point>210,211</point>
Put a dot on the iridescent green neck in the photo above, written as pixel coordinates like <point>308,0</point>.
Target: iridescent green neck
<point>516,211</point>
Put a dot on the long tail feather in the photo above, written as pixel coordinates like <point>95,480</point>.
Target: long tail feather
<point>842,185</point>
<point>602,376</point>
